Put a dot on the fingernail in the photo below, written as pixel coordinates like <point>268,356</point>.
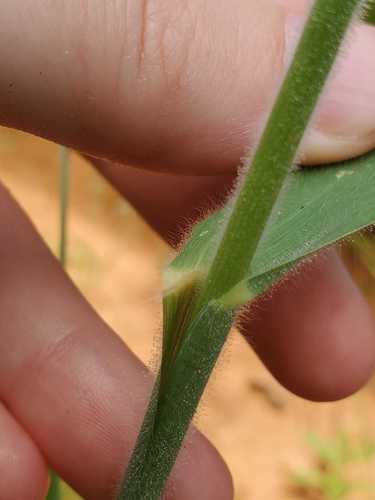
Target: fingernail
<point>344,123</point>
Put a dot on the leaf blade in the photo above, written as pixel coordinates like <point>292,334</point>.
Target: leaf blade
<point>317,208</point>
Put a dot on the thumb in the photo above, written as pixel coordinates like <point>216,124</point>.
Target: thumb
<point>169,84</point>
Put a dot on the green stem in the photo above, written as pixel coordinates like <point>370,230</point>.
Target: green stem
<point>173,406</point>
<point>168,418</point>
<point>64,154</point>
<point>54,492</point>
<point>279,144</point>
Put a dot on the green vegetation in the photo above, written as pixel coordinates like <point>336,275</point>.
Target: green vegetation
<point>330,478</point>
<point>277,217</point>
<point>369,15</point>
<point>364,246</point>
<point>64,154</point>
<point>55,490</point>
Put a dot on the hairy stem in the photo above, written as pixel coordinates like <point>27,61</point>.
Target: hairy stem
<point>279,144</point>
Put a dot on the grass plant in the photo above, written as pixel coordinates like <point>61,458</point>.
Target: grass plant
<point>369,12</point>
<point>277,216</point>
<point>330,478</point>
<point>64,160</point>
<point>55,490</point>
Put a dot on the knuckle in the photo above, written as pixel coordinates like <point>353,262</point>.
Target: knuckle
<point>164,35</point>
<point>37,367</point>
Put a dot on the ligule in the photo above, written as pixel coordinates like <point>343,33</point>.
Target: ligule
<point>249,289</point>
<point>177,304</point>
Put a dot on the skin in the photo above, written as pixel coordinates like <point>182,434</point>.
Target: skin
<point>178,90</point>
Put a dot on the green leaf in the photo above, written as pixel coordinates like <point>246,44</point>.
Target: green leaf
<point>54,491</point>
<point>369,12</point>
<point>316,208</point>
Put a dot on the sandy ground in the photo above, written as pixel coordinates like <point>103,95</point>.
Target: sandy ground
<point>115,259</point>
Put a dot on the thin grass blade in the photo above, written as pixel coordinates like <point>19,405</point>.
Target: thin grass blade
<point>64,159</point>
<point>54,492</point>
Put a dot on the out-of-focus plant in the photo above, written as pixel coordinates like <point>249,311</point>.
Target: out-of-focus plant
<point>364,247</point>
<point>55,489</point>
<point>369,12</point>
<point>329,478</point>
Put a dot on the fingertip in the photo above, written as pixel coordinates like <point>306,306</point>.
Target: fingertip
<point>316,333</point>
<point>24,472</point>
<point>200,472</point>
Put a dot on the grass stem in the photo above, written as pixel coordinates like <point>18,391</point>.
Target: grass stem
<point>64,155</point>
<point>278,147</point>
<point>54,492</point>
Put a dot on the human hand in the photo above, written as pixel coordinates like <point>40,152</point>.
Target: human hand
<point>180,88</point>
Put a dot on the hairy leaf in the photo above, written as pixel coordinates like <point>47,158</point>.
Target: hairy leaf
<point>316,208</point>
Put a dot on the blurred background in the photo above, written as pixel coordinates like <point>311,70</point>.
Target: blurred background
<point>277,446</point>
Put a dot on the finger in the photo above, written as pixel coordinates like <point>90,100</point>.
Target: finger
<point>296,6</point>
<point>169,203</point>
<point>168,85</point>
<point>346,130</point>
<point>315,333</point>
<point>88,390</point>
<point>19,458</point>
